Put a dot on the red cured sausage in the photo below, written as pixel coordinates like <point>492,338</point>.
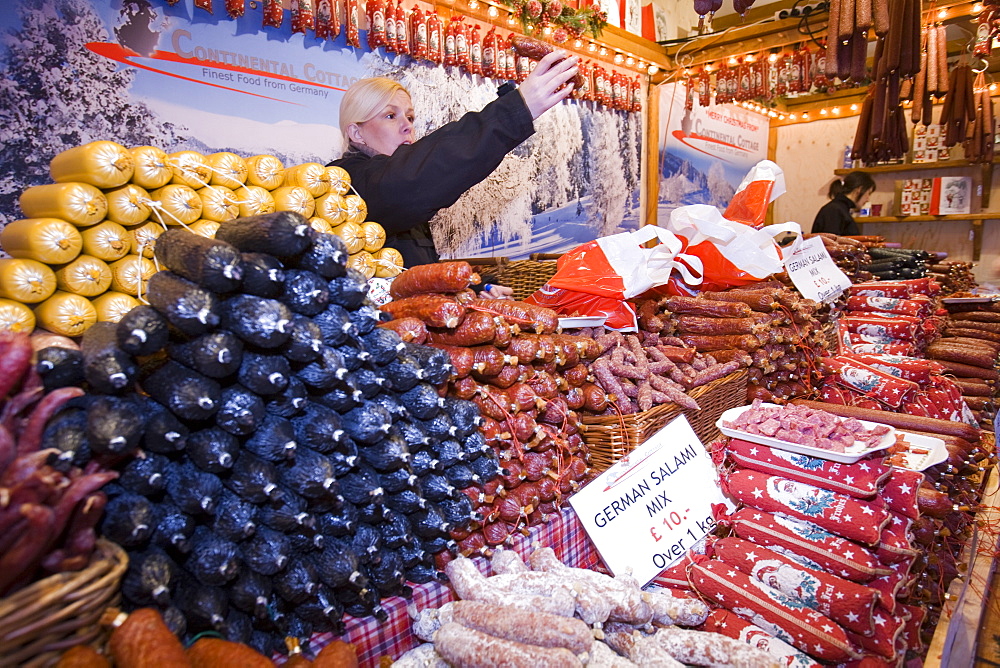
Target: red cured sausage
<point>693,324</point>
<point>532,48</point>
<point>899,420</point>
<point>433,310</point>
<point>708,343</point>
<point>477,328</point>
<point>542,320</point>
<point>438,277</point>
<point>707,307</point>
<point>410,330</point>
<point>763,301</point>
<point>968,370</point>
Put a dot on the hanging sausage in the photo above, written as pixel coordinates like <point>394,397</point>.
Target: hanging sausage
<point>882,132</point>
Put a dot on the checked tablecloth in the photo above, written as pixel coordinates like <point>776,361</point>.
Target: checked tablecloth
<point>393,637</point>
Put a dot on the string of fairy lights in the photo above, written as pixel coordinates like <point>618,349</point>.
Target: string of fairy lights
<point>593,47</point>
<point>833,109</point>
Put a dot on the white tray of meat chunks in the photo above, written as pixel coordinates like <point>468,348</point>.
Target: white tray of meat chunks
<point>806,431</point>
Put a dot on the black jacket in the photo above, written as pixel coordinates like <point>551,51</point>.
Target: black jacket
<point>835,217</point>
<point>404,191</point>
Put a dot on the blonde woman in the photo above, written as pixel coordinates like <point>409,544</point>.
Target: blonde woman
<point>405,180</point>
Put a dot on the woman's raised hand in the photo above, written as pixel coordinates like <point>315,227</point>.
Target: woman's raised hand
<point>544,88</point>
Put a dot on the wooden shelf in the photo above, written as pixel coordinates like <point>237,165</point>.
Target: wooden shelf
<point>985,215</point>
<point>915,166</point>
<point>975,218</point>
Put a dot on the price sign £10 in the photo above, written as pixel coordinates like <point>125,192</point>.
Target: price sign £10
<point>645,512</point>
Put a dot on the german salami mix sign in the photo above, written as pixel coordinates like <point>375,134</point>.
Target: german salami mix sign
<point>645,512</point>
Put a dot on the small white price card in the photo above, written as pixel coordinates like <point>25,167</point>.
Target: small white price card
<point>814,272</point>
<point>647,510</point>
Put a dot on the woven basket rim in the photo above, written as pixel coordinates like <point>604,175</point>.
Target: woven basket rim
<point>611,437</point>
<point>101,575</point>
<point>656,411</point>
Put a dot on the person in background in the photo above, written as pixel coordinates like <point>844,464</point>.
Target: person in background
<point>405,180</point>
<point>846,195</point>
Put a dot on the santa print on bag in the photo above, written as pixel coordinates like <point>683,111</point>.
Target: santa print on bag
<point>839,513</point>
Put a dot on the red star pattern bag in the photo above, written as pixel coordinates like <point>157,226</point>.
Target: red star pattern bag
<point>861,479</point>
<point>733,626</point>
<point>843,515</point>
<point>882,643</point>
<point>784,617</point>
<point>848,603</point>
<point>893,585</point>
<point>896,544</point>
<point>900,492</point>
<point>807,544</point>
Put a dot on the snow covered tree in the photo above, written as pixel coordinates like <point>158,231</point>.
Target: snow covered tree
<point>719,189</point>
<point>56,94</point>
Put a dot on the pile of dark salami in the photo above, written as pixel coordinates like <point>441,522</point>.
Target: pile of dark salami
<point>527,379</point>
<point>897,263</point>
<point>768,326</point>
<point>287,460</point>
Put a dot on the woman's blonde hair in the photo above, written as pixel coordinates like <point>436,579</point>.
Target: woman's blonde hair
<point>364,100</point>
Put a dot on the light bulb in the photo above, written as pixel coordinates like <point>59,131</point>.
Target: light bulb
<point>592,47</point>
<point>805,115</point>
<point>793,116</point>
<point>547,30</point>
<point>977,8</point>
<point>603,51</point>
<point>630,61</point>
<point>578,43</point>
<point>653,69</point>
<point>781,117</point>
<point>854,107</point>
<point>822,112</point>
<point>773,58</point>
<point>473,4</point>
<point>733,61</point>
<point>836,110</point>
<point>943,14</point>
<point>493,12</point>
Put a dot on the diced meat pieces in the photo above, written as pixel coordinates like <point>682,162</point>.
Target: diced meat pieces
<point>806,426</point>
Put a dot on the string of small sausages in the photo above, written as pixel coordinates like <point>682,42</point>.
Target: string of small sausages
<point>847,36</point>
<point>932,79</point>
<point>882,131</point>
<point>979,140</point>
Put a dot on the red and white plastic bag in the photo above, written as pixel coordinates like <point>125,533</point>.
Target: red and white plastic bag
<point>763,184</point>
<point>599,277</point>
<point>732,254</point>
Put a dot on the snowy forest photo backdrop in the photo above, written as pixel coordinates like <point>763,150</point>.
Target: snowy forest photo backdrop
<point>704,152</point>
<point>144,72</point>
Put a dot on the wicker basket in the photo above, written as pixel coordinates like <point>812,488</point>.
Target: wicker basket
<point>523,276</point>
<point>611,437</point>
<point>40,621</point>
